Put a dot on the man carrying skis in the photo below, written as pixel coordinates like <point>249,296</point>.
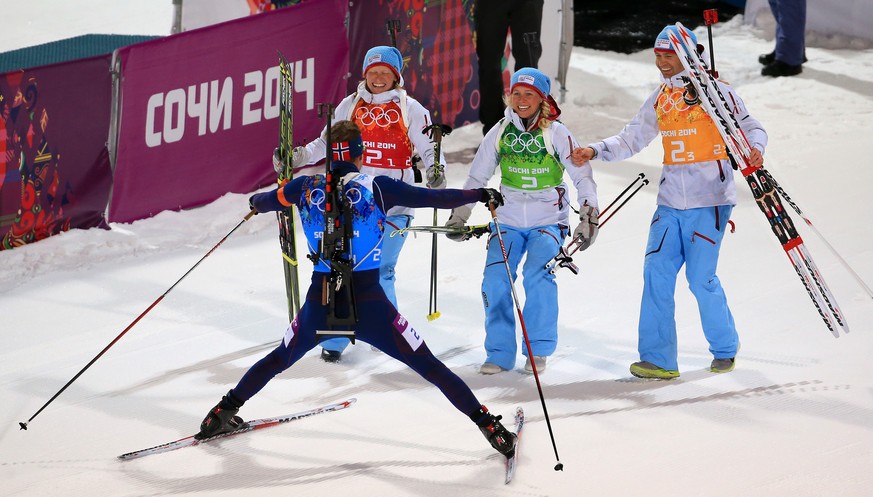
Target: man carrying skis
<point>695,198</point>
<point>368,199</point>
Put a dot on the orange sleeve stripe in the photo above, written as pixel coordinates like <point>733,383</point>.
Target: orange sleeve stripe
<point>282,200</point>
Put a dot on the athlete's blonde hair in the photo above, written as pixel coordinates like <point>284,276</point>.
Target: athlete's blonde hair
<point>545,111</point>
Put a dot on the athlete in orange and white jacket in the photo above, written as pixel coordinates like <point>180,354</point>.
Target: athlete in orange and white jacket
<point>696,194</point>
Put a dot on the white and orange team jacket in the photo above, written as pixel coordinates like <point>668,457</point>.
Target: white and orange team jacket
<point>391,125</point>
<point>697,171</point>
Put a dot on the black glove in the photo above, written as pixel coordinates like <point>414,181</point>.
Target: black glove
<point>252,204</point>
<point>490,196</point>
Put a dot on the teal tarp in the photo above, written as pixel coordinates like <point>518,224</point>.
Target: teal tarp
<point>79,47</point>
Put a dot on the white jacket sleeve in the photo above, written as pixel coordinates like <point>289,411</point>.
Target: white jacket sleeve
<point>419,118</point>
<point>485,162</point>
<point>752,128</point>
<point>583,177</point>
<point>635,135</point>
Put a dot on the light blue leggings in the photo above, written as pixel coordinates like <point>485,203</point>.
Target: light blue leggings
<point>540,289</point>
<point>692,238</point>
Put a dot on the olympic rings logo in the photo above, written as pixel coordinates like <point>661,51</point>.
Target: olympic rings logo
<point>524,142</point>
<point>369,116</point>
<point>673,100</point>
<point>317,197</point>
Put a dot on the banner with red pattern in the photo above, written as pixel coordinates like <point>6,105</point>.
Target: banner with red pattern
<point>54,166</point>
<point>440,67</point>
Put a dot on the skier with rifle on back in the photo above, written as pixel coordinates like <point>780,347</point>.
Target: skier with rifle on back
<point>363,203</point>
<point>391,123</point>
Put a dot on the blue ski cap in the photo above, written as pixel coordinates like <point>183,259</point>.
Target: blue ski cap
<point>662,42</point>
<point>389,57</point>
<point>531,78</point>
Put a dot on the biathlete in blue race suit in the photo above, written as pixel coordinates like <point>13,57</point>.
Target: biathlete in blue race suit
<point>379,323</point>
<point>391,123</point>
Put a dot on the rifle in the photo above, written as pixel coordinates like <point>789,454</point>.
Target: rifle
<point>334,246</point>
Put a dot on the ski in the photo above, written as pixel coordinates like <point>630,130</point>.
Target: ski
<point>468,232</point>
<point>765,190</point>
<point>255,424</point>
<point>287,240</point>
<point>511,462</point>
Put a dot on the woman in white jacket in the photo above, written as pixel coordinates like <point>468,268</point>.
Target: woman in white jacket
<point>391,123</point>
<point>696,195</point>
<point>531,149</point>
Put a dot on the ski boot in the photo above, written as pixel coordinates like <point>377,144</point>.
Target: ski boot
<point>222,418</point>
<point>498,436</point>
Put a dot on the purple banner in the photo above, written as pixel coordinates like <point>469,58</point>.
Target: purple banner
<point>440,67</point>
<point>199,110</point>
<point>54,166</point>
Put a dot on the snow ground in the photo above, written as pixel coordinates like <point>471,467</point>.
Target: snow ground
<point>793,419</point>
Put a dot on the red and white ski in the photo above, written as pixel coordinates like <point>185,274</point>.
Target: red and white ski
<point>255,424</point>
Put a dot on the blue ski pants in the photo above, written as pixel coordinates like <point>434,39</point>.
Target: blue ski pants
<point>692,238</point>
<point>540,311</point>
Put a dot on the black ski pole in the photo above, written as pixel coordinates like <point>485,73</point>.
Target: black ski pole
<point>639,177</point>
<point>564,257</point>
<point>630,196</point>
<point>559,466</point>
<point>710,17</point>
<point>437,131</point>
<point>248,216</point>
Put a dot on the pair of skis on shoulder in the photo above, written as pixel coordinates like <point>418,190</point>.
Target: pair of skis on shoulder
<point>765,189</point>
<point>257,424</point>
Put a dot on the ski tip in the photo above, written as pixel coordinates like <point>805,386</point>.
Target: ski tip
<point>559,466</point>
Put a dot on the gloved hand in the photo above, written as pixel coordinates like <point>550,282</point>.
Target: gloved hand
<point>265,202</point>
<point>459,217</point>
<point>490,196</point>
<point>589,225</point>
<point>252,201</point>
<point>436,179</point>
<point>299,157</point>
<point>690,96</point>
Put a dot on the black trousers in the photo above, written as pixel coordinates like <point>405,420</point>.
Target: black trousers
<point>493,19</point>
